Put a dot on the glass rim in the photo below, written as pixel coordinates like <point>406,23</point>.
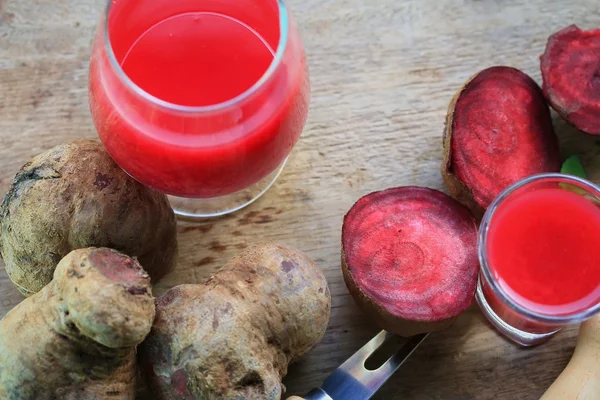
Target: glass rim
<point>277,59</point>
<point>482,252</point>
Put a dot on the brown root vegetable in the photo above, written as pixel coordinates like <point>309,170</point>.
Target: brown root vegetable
<point>234,336</point>
<point>409,258</point>
<point>498,131</point>
<point>76,338</point>
<point>75,196</point>
<point>571,73</point>
<point>580,380</point>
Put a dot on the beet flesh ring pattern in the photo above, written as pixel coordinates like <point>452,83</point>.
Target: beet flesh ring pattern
<point>409,258</point>
<point>498,131</point>
<point>571,73</point>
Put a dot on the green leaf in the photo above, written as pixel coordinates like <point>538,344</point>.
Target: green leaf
<point>572,166</point>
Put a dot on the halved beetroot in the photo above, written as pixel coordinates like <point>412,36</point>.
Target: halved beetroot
<point>498,131</point>
<point>571,73</point>
<point>409,258</point>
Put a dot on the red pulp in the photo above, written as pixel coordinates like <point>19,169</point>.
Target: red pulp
<point>197,59</point>
<point>542,249</point>
<point>198,54</point>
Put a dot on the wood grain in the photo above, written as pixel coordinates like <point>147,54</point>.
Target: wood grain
<point>383,73</point>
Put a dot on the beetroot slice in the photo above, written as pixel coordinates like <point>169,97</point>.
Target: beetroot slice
<point>571,73</point>
<point>409,258</point>
<point>498,131</point>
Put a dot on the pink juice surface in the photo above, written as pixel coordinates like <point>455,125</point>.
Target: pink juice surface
<point>542,249</point>
<point>210,59</point>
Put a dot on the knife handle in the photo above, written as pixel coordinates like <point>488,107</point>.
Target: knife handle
<point>581,377</point>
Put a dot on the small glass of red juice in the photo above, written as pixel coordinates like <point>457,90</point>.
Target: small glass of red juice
<point>200,99</point>
<point>540,258</point>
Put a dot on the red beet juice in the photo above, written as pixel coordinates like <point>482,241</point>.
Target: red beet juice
<point>542,250</point>
<point>198,98</point>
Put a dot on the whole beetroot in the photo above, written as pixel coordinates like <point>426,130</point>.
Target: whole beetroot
<point>76,338</point>
<point>75,196</point>
<point>234,336</point>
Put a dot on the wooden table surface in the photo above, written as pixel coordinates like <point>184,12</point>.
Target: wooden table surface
<point>383,73</point>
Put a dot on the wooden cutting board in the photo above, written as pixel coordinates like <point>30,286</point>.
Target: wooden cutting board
<point>383,73</point>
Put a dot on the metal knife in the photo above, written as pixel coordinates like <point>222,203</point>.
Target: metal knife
<point>353,381</point>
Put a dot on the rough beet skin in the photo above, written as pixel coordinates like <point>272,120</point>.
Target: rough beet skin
<point>409,258</point>
<point>75,196</point>
<point>76,338</point>
<point>498,131</point>
<point>234,336</point>
<point>571,73</point>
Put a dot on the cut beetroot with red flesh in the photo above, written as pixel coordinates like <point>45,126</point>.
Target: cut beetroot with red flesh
<point>498,131</point>
<point>411,253</point>
<point>571,73</point>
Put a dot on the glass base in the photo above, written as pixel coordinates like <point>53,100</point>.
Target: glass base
<point>186,208</point>
<point>518,336</point>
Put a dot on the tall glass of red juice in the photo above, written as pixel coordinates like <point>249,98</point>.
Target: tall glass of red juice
<point>200,99</point>
<point>540,257</point>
